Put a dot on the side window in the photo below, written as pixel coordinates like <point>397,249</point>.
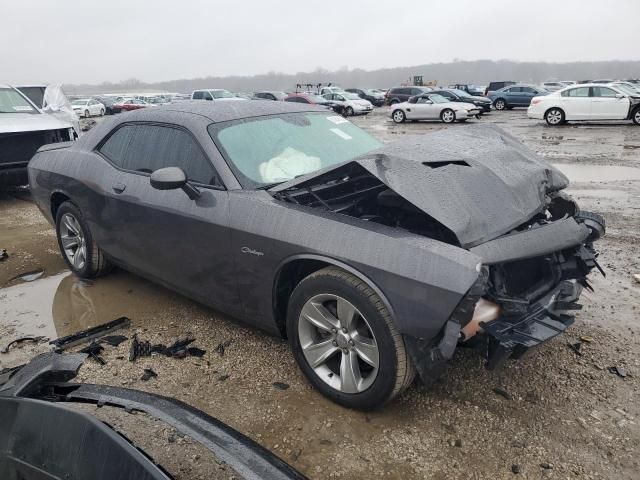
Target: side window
<point>197,95</point>
<point>416,91</point>
<point>448,95</point>
<point>603,92</point>
<point>515,90</point>
<point>207,96</point>
<point>528,90</point>
<point>577,92</point>
<point>146,148</point>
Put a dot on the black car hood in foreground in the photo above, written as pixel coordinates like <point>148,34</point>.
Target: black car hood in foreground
<point>478,181</point>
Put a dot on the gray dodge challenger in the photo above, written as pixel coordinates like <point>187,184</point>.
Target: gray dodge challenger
<point>375,261</point>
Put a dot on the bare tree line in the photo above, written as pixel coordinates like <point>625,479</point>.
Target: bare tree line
<point>479,72</point>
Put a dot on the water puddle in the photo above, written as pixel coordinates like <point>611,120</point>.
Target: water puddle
<point>63,304</point>
<point>28,276</point>
<point>579,172</point>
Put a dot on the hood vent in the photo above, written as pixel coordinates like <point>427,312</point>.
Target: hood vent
<point>461,163</point>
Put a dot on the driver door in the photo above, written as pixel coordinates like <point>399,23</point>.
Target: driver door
<point>606,106</point>
<point>163,234</point>
<point>425,109</point>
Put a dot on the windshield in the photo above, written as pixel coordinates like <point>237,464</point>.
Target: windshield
<point>12,102</point>
<point>350,96</point>
<point>79,102</point>
<point>265,151</point>
<point>435,98</point>
<point>627,89</point>
<point>222,94</point>
<point>461,93</point>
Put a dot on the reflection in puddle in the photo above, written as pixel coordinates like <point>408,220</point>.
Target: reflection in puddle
<point>64,304</point>
<point>579,172</point>
<point>28,276</point>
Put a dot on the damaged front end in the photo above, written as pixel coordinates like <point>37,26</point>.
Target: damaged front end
<point>528,286</point>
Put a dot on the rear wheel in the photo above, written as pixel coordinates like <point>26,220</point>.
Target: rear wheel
<point>398,116</point>
<point>78,249</point>
<point>345,341</point>
<point>500,104</point>
<point>554,116</point>
<point>448,116</point>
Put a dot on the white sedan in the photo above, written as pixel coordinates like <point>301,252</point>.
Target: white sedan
<point>88,107</point>
<point>587,102</point>
<point>433,107</point>
<point>351,103</point>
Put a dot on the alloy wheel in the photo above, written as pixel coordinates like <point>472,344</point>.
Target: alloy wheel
<point>500,105</point>
<point>73,241</point>
<point>554,117</point>
<point>448,116</point>
<point>338,343</point>
<point>398,116</point>
<point>636,117</point>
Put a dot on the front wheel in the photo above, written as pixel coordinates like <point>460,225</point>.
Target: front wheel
<point>86,114</point>
<point>102,112</point>
<point>636,116</point>
<point>348,112</point>
<point>448,115</point>
<point>398,116</point>
<point>345,341</point>
<point>78,249</point>
<point>500,104</point>
<point>554,116</point>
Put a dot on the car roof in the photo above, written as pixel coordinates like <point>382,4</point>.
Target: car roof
<point>224,111</point>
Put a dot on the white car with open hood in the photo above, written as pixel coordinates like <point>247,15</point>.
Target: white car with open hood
<point>431,106</point>
<point>23,129</point>
<point>589,101</point>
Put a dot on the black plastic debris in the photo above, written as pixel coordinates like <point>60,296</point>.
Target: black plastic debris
<point>178,349</point>
<point>3,254</point>
<point>222,378</point>
<point>148,374</point>
<point>196,352</point>
<point>63,343</point>
<point>113,340</point>
<point>94,349</point>
<point>502,392</point>
<point>222,346</point>
<point>575,347</point>
<point>281,385</point>
<point>20,340</point>
<point>621,372</point>
<point>515,468</point>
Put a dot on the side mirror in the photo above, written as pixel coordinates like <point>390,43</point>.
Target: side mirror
<point>413,100</point>
<point>619,95</point>
<point>172,178</point>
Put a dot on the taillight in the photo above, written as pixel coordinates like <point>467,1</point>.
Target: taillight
<point>535,101</point>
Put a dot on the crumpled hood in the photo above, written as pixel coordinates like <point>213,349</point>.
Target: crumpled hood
<point>30,122</point>
<point>478,181</point>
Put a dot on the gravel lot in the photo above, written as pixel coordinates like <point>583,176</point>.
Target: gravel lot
<point>560,415</point>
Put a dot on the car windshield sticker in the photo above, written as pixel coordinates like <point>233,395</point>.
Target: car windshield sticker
<point>337,120</point>
<point>341,134</point>
<point>22,108</point>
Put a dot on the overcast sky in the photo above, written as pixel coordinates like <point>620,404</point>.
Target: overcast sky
<point>92,41</point>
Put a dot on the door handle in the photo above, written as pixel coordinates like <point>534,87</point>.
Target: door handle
<point>119,187</point>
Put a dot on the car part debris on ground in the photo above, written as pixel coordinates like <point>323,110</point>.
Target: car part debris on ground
<point>18,341</point>
<point>90,333</point>
<point>148,374</point>
<point>3,254</point>
<point>39,433</point>
<point>178,349</point>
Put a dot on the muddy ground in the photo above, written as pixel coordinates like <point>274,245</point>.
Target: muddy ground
<point>566,415</point>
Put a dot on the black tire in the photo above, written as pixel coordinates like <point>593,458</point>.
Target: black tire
<point>447,116</point>
<point>500,104</point>
<point>395,371</point>
<point>554,116</point>
<point>95,263</point>
<point>86,114</point>
<point>398,116</point>
<point>348,112</point>
<point>635,116</point>
<point>102,112</point>
<point>394,101</point>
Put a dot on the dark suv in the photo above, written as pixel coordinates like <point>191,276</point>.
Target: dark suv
<point>493,86</point>
<point>402,94</point>
<point>375,98</point>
